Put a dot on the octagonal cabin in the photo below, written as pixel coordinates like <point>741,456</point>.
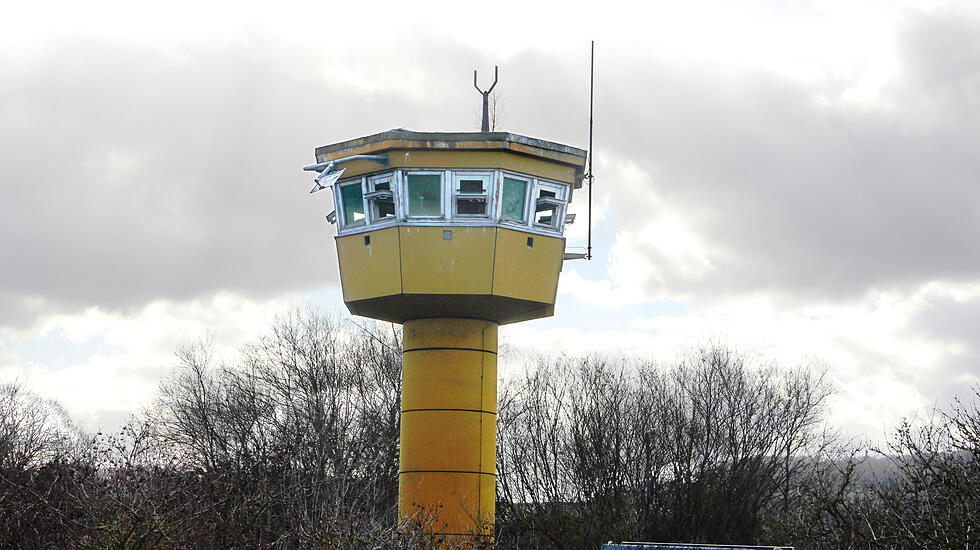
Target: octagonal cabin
<point>462,224</point>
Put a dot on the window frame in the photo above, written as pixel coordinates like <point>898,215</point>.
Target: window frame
<point>405,213</point>
<point>487,176</point>
<point>528,189</point>
<point>372,181</point>
<point>339,204</point>
<point>450,181</point>
<point>560,204</point>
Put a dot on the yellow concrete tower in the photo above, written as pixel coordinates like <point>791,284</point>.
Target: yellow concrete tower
<point>450,234</point>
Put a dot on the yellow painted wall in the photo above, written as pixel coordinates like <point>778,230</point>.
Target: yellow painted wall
<point>449,379</point>
<point>442,440</point>
<point>447,462</point>
<point>476,261</point>
<point>527,272</point>
<point>369,271</point>
<point>433,265</point>
<point>469,160</point>
<point>456,494</point>
<point>434,334</point>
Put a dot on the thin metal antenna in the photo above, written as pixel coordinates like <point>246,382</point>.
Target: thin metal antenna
<point>485,126</point>
<point>589,176</point>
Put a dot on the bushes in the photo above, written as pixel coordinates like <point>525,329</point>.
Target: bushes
<point>295,445</point>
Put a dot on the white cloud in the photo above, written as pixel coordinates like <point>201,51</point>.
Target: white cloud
<point>657,252</point>
<point>659,243</point>
<point>601,292</point>
<point>106,386</point>
<point>524,338</point>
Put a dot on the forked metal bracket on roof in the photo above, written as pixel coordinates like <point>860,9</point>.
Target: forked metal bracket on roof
<point>485,125</point>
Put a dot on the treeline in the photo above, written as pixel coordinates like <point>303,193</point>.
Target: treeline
<point>295,445</point>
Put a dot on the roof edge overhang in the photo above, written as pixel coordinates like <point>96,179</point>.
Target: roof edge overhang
<point>449,141</point>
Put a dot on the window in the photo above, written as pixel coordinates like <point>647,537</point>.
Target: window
<point>436,197</point>
<point>382,198</point>
<point>513,196</point>
<point>548,205</point>
<point>472,191</point>
<point>424,194</point>
<point>352,204</point>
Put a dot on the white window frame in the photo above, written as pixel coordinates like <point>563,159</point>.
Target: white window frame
<point>444,194</point>
<point>528,191</point>
<point>449,192</point>
<point>560,202</point>
<point>339,204</point>
<point>372,181</point>
<point>487,176</point>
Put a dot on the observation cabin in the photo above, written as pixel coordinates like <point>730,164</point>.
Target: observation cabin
<point>451,235</point>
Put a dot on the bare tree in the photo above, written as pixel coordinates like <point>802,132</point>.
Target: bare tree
<point>933,498</point>
<point>33,430</point>
<point>592,449</point>
<point>312,409</point>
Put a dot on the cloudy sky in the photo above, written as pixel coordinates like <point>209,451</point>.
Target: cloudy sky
<point>799,179</point>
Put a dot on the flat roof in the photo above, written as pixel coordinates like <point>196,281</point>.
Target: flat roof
<point>407,139</point>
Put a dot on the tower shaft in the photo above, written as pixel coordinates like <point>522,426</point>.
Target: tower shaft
<point>447,462</point>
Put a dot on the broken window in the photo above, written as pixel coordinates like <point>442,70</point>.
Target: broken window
<point>382,198</point>
<point>548,205</point>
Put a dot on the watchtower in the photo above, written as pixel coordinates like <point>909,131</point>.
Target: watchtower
<point>451,235</point>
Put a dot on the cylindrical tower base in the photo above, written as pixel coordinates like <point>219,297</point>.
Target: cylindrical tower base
<point>447,475</point>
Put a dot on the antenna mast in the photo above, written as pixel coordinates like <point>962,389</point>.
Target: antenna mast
<point>485,127</point>
<point>589,176</point>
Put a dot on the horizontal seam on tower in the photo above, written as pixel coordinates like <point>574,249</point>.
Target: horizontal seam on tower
<point>455,410</point>
<point>448,348</point>
<point>400,472</point>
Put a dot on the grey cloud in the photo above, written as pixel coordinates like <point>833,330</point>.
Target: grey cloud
<point>798,192</point>
<point>949,320</point>
<point>956,325</point>
<point>128,174</point>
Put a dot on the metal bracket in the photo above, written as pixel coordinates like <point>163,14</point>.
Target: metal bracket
<point>548,202</point>
<point>381,195</point>
<point>322,166</point>
<point>469,197</point>
<point>328,176</point>
<point>485,124</point>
